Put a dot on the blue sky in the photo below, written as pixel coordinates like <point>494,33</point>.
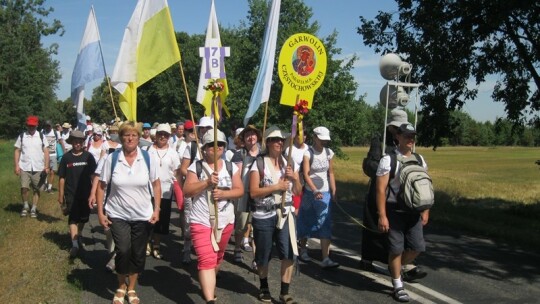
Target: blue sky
<point>191,16</point>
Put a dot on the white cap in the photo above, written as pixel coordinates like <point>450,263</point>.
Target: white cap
<point>273,131</point>
<point>98,131</point>
<point>238,131</point>
<point>208,137</point>
<point>206,122</point>
<point>89,128</point>
<point>322,133</point>
<point>164,128</point>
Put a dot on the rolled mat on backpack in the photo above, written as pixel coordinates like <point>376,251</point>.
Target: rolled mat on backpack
<point>179,195</point>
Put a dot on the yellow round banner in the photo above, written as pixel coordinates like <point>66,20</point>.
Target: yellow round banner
<point>301,68</point>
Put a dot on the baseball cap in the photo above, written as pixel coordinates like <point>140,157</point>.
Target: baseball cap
<point>322,133</point>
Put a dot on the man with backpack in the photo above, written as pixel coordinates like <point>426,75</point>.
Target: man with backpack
<point>31,160</point>
<point>402,222</point>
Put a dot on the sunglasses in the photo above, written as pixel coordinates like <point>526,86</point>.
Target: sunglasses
<point>163,134</point>
<point>274,139</point>
<point>219,144</point>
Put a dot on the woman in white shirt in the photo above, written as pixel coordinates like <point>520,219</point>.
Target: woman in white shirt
<point>315,214</point>
<point>169,165</point>
<point>207,226</point>
<point>129,210</point>
<point>277,179</point>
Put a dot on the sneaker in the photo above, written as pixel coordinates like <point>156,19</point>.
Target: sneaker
<point>254,265</point>
<point>327,264</point>
<point>238,256</point>
<point>304,256</point>
<point>186,259</point>
<point>24,212</point>
<point>73,252</point>
<point>401,295</point>
<point>33,213</point>
<point>264,295</point>
<point>414,274</point>
<point>111,265</point>
<point>246,247</point>
<point>49,188</point>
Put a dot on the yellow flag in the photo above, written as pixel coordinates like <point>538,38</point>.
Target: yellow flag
<point>148,48</point>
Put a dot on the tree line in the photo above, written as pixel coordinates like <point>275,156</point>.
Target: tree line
<point>336,104</point>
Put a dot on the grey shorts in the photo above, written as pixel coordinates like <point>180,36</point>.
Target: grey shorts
<point>34,179</point>
<point>406,231</point>
<point>53,163</point>
<point>241,221</point>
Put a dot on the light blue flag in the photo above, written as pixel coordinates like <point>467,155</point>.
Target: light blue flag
<point>88,67</point>
<point>261,91</point>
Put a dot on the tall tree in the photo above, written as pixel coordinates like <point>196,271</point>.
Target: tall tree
<point>28,74</point>
<point>449,42</point>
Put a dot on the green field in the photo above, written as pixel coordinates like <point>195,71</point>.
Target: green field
<point>493,192</point>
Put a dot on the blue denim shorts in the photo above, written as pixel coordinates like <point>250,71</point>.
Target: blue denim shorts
<point>265,234</point>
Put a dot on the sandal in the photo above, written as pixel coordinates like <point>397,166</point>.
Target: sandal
<point>118,299</point>
<point>156,254</point>
<point>287,299</point>
<point>132,297</point>
<point>401,295</point>
<point>148,250</point>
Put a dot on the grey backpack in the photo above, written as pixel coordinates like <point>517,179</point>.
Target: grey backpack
<point>416,188</point>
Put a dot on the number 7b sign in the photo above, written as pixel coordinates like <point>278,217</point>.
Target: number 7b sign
<point>214,59</point>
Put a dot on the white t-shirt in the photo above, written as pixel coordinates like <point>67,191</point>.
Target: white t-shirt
<point>52,140</point>
<point>95,151</point>
<point>385,167</point>
<point>65,136</point>
<point>297,154</point>
<point>32,157</point>
<point>199,210</point>
<point>319,169</point>
<point>275,197</point>
<point>187,152</point>
<point>168,162</point>
<point>130,197</point>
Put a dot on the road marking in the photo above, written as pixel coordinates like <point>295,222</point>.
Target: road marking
<point>384,281</point>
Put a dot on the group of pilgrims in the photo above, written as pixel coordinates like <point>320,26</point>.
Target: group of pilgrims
<point>244,185</point>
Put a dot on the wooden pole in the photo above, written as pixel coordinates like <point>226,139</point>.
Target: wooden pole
<point>189,105</point>
<point>289,157</point>
<point>263,146</point>
<point>216,209</point>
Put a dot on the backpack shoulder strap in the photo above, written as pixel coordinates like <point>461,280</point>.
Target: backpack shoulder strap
<point>146,157</point>
<point>228,165</point>
<point>114,160</point>
<point>198,168</point>
<point>393,164</point>
<point>310,150</point>
<point>419,159</point>
<point>193,151</point>
<point>260,166</point>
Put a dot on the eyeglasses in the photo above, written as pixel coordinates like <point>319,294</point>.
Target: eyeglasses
<point>219,144</point>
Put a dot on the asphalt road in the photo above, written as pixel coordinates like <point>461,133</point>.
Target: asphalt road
<point>462,269</point>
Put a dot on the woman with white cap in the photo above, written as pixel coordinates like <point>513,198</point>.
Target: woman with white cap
<point>191,154</point>
<point>168,168</point>
<point>208,187</point>
<point>315,216</point>
<point>95,143</point>
<point>270,179</point>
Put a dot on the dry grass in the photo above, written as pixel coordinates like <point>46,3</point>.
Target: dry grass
<point>34,267</point>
